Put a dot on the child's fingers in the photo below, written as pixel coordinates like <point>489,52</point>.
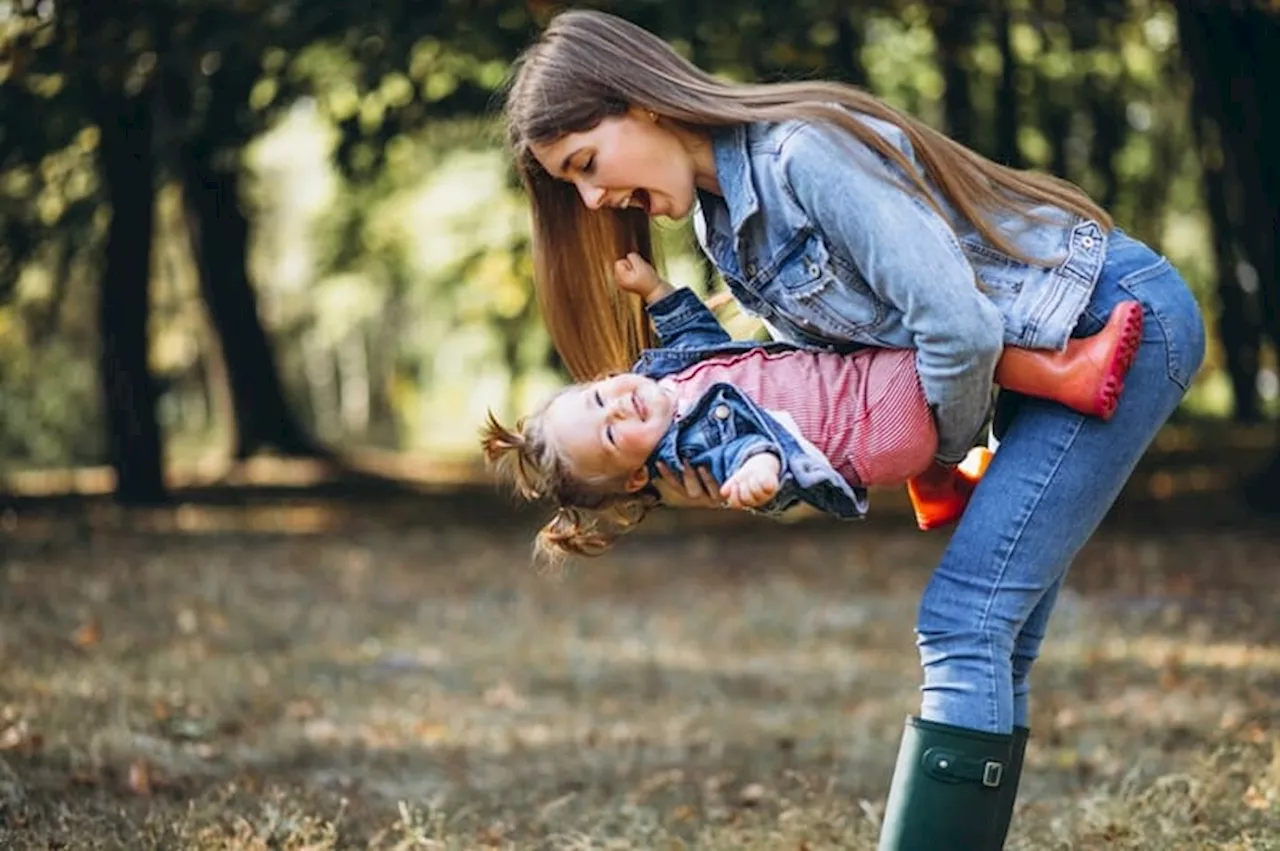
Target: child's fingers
<point>624,271</point>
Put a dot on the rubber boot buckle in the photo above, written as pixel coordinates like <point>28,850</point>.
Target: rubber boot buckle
<point>992,773</point>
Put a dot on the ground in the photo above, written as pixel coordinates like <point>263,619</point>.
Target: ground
<point>393,675</point>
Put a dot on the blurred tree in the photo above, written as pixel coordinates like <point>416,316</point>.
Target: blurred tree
<point>167,87</point>
<point>1231,49</point>
<point>118,91</point>
<point>171,94</point>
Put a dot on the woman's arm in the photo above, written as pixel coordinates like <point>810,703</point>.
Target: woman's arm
<point>910,258</point>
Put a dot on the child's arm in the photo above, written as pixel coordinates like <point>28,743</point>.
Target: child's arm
<point>680,318</point>
<point>745,472</point>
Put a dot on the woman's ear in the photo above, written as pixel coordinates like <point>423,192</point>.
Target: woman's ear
<point>637,480</point>
<point>642,114</point>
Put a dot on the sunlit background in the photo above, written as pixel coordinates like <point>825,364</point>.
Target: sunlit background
<point>388,242</point>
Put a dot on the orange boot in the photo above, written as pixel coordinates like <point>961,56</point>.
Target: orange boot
<point>939,494</point>
<point>1089,375</point>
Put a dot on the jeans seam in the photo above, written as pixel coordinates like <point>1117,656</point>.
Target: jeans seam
<point>1004,559</point>
<point>1137,278</point>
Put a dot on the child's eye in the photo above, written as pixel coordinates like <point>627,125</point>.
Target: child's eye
<point>599,399</point>
<point>608,432</point>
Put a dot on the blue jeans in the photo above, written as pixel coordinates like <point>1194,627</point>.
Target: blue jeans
<point>1054,477</point>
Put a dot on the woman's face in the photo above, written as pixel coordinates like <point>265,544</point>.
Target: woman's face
<point>630,160</point>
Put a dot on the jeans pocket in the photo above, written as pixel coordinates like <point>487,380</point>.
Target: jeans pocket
<point>1168,300</point>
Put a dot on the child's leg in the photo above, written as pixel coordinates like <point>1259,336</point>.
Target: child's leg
<point>1088,376</point>
<point>939,495</point>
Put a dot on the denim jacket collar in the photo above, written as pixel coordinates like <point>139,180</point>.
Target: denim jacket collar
<point>733,173</point>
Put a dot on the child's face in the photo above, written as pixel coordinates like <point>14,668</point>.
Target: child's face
<point>607,429</point>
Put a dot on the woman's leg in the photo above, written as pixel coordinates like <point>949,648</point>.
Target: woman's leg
<point>1054,478</point>
<point>984,613</point>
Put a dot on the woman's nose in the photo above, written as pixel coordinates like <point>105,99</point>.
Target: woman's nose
<point>592,196</point>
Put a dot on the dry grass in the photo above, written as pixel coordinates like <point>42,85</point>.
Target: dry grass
<point>395,685</point>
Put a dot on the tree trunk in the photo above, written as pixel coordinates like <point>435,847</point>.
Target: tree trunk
<point>848,49</point>
<point>1007,150</point>
<point>1237,324</point>
<point>953,27</point>
<point>129,392</point>
<point>220,242</point>
<point>1231,50</point>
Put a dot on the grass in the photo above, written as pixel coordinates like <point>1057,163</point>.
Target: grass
<point>376,677</point>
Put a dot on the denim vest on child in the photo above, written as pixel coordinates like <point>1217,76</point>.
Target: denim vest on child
<point>724,427</point>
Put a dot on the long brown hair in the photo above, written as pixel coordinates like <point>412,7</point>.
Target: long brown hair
<point>588,66</point>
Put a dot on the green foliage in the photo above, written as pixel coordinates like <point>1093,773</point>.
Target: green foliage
<point>390,248</point>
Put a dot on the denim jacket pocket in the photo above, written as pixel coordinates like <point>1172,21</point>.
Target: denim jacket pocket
<point>823,298</point>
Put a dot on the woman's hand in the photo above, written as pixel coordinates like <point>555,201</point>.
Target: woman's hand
<point>635,275</point>
<point>690,488</point>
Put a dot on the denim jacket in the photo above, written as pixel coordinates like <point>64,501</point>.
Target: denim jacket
<point>725,427</point>
<point>815,235</point>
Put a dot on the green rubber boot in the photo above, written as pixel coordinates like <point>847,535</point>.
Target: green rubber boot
<point>947,791</point>
<point>1009,786</point>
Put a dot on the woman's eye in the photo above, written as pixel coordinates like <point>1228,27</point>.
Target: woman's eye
<point>590,165</point>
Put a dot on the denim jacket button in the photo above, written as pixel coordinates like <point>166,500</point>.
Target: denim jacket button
<point>722,412</point>
<point>751,270</point>
<point>1087,242</point>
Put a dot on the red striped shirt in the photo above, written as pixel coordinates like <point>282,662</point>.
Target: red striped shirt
<point>866,412</point>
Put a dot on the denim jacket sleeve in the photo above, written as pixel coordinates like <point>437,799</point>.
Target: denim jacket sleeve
<point>727,458</point>
<point>682,321</point>
<point>909,257</point>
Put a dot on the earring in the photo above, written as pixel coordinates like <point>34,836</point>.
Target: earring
<point>653,116</point>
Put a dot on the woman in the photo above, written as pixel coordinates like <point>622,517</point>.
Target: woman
<point>837,219</point>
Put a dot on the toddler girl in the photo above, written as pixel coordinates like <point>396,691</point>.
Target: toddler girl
<point>774,423</point>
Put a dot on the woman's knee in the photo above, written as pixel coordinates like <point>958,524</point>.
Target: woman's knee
<point>950,628</point>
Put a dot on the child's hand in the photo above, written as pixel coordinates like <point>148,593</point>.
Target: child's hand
<point>755,483</point>
<point>635,275</point>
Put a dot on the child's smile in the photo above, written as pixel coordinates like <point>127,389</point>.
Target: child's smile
<point>606,430</point>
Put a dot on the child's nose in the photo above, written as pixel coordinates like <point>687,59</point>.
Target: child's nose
<point>618,410</point>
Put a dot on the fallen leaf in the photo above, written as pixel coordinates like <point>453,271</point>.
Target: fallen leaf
<point>21,738</point>
<point>1254,799</point>
<point>503,696</point>
<point>187,621</point>
<point>87,635</point>
<point>751,794</point>
<point>140,778</point>
<point>430,731</point>
<point>299,710</point>
<point>492,835</point>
